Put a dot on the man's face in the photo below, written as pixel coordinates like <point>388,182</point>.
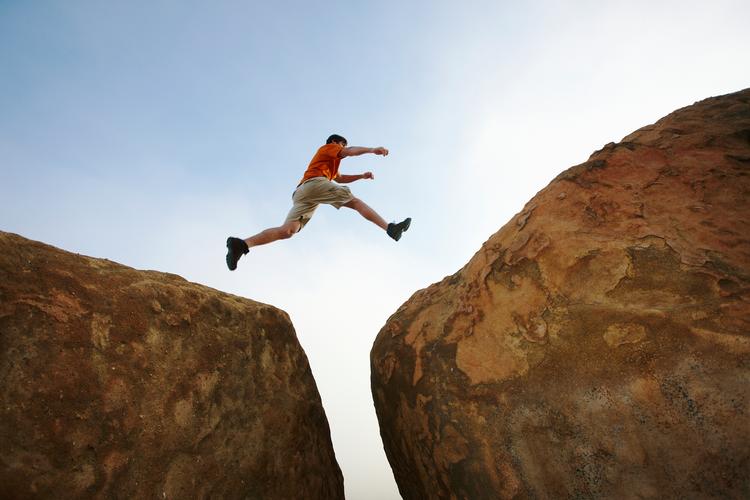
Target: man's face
<point>341,143</point>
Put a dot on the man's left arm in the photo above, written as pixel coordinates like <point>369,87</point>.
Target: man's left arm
<point>346,179</point>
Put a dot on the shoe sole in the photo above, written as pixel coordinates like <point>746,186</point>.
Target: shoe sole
<point>229,255</point>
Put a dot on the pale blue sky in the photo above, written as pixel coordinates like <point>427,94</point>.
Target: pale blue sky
<point>147,132</point>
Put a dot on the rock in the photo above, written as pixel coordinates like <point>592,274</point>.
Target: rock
<point>598,345</point>
<point>118,383</point>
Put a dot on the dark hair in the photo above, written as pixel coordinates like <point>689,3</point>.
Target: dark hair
<point>336,138</point>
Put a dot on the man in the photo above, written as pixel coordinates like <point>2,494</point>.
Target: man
<point>317,187</point>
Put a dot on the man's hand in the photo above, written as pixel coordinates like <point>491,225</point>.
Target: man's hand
<point>368,175</point>
<point>380,150</point>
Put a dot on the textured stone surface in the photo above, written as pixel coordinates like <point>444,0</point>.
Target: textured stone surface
<point>117,383</point>
<point>598,345</point>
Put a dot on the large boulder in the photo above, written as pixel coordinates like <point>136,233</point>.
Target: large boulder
<point>118,383</point>
<point>598,345</point>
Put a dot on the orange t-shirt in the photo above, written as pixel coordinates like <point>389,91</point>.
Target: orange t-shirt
<point>325,163</point>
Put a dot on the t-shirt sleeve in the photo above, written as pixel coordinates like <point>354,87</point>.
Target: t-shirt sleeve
<point>331,150</point>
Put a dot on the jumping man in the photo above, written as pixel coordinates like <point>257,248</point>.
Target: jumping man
<point>317,187</point>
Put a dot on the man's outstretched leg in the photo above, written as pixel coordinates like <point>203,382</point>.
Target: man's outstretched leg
<point>236,247</point>
<point>393,230</point>
<point>366,212</point>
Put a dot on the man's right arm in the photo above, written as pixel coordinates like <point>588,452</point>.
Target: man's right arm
<point>358,150</point>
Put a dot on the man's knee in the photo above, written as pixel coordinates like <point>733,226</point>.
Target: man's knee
<point>353,203</point>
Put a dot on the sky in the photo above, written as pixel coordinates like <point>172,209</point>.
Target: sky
<point>147,132</point>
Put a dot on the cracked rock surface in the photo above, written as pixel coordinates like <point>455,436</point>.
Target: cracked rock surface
<point>118,383</point>
<point>597,345</point>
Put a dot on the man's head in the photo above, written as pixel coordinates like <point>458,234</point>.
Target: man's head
<point>337,139</point>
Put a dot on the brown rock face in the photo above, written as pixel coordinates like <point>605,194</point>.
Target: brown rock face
<point>598,345</point>
<point>119,383</point>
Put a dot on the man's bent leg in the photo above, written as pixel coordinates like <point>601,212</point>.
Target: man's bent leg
<point>366,212</point>
<point>287,230</point>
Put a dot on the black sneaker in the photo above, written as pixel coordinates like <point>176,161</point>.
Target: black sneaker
<point>236,248</point>
<point>394,230</point>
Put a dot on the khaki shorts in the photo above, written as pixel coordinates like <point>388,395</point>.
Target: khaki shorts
<point>314,192</point>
